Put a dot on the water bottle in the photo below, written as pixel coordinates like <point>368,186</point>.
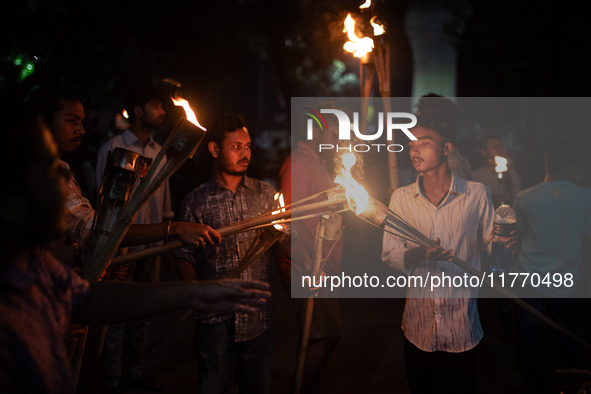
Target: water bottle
<point>501,259</point>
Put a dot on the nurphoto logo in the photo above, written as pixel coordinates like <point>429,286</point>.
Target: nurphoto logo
<point>388,122</point>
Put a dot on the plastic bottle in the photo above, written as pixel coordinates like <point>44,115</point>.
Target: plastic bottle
<point>504,222</point>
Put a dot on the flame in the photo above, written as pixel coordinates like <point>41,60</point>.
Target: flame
<point>279,198</point>
<point>356,194</point>
<point>358,46</point>
<point>125,114</point>
<point>181,102</point>
<point>501,167</point>
<point>378,29</point>
<point>367,4</point>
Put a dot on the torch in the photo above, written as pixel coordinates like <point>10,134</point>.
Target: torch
<point>180,145</point>
<point>123,169</point>
<point>325,202</point>
<point>363,48</point>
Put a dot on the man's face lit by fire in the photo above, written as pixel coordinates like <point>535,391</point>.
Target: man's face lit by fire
<point>233,156</point>
<point>67,126</point>
<point>429,151</point>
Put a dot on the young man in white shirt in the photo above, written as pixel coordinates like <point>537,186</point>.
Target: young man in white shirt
<point>441,327</point>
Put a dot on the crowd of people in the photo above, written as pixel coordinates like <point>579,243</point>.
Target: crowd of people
<point>50,220</point>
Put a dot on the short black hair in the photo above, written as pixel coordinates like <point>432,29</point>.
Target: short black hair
<point>223,124</point>
<point>49,99</point>
<point>141,93</point>
<point>438,113</point>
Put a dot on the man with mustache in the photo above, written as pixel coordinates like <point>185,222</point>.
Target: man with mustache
<point>231,345</point>
<point>441,328</point>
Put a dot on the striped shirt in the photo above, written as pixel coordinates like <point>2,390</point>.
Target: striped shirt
<point>447,318</point>
<point>216,206</point>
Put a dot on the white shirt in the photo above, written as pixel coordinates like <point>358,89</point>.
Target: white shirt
<point>447,318</point>
<point>158,207</point>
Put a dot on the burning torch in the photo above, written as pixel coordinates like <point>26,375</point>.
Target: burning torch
<point>363,48</point>
<point>181,144</point>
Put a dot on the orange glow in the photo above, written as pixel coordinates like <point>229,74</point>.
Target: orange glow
<point>357,196</point>
<point>181,102</point>
<point>279,198</point>
<point>378,29</point>
<point>367,4</point>
<point>358,46</point>
<point>125,114</point>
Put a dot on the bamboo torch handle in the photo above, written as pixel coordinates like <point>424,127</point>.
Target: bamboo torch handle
<point>231,229</point>
<point>166,248</point>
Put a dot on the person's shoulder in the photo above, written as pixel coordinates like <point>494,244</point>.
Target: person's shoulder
<point>477,190</point>
<point>405,191</point>
<point>529,191</point>
<point>406,188</point>
<point>579,188</point>
<point>262,186</point>
<point>203,188</point>
<point>194,198</point>
<point>583,193</point>
<point>199,191</point>
<point>476,186</point>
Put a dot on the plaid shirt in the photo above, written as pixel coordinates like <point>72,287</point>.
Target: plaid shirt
<point>217,206</point>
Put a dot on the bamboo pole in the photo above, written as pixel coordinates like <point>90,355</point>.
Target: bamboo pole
<point>235,228</point>
<point>309,309</point>
<point>382,60</point>
<point>366,75</point>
